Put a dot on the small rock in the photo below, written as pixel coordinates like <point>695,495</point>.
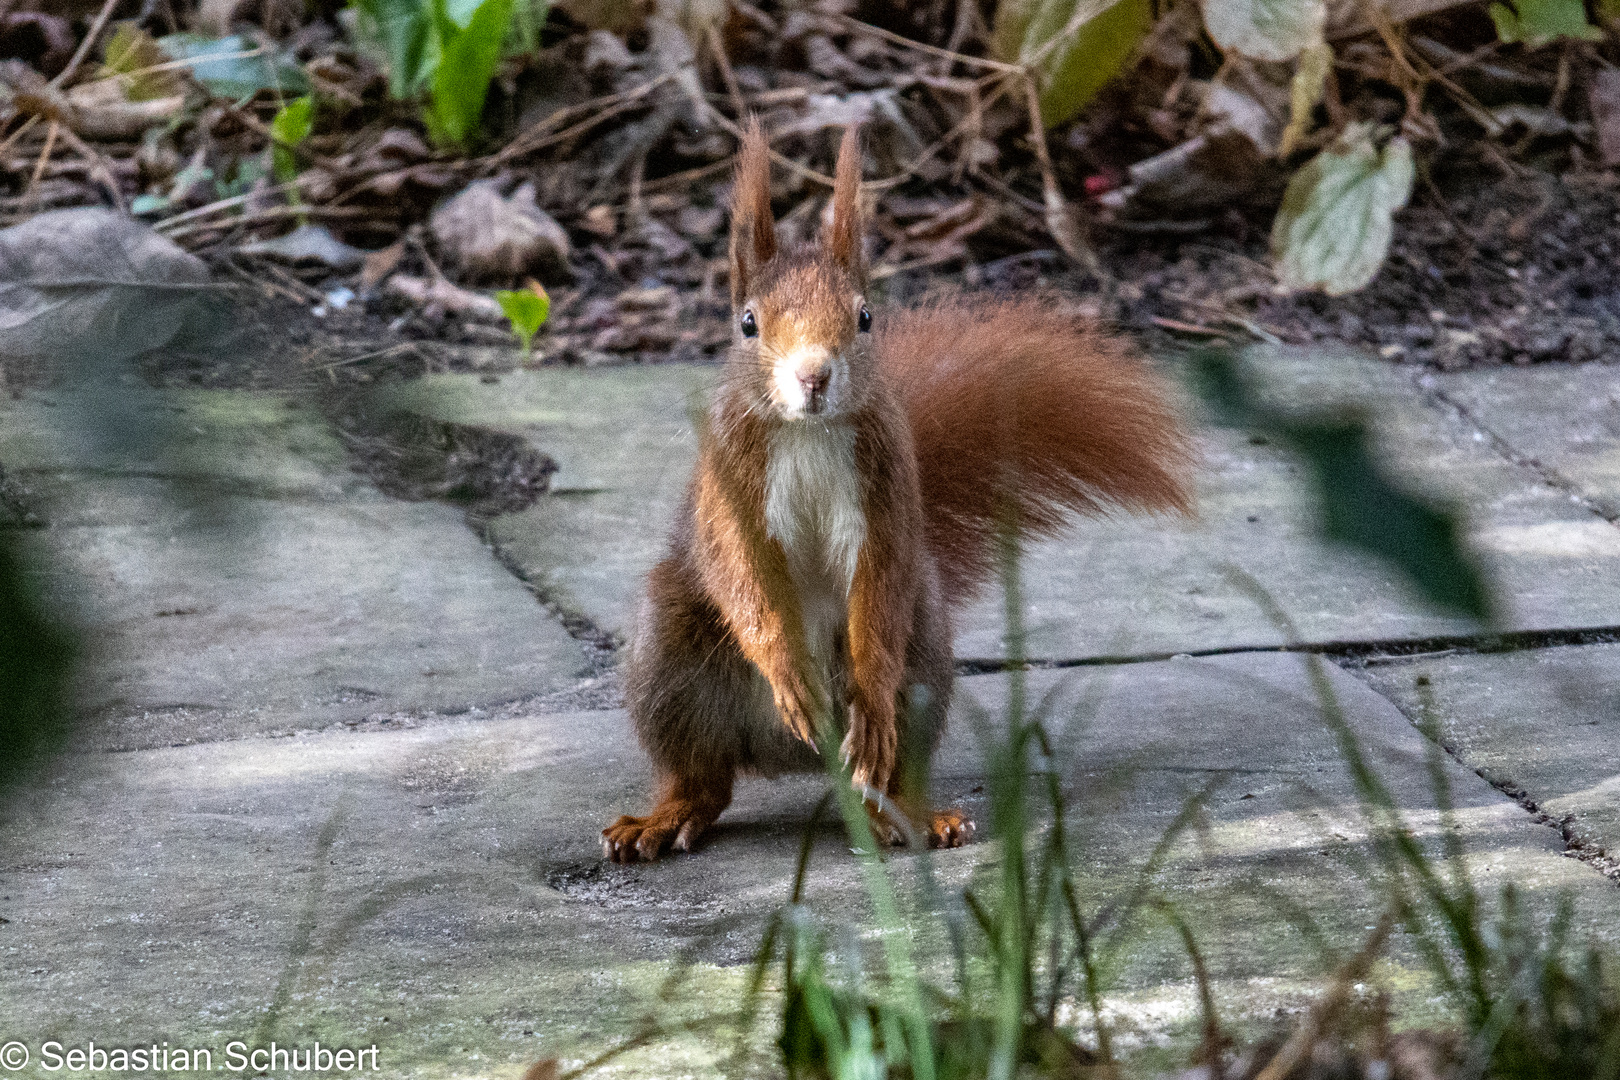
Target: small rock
<point>401,145</point>
<point>1604,100</point>
<point>491,238</point>
<point>442,297</point>
<point>599,221</point>
<point>663,240</point>
<point>308,244</point>
<point>605,50</point>
<point>653,299</point>
<point>699,222</point>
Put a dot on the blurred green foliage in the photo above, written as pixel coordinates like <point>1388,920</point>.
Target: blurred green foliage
<point>1076,46</point>
<point>447,50</point>
<point>236,67</point>
<point>37,657</point>
<point>290,126</point>
<point>1540,22</point>
<point>1359,503</point>
<point>526,309</point>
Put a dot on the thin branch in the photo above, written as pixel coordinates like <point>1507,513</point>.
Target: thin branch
<point>44,156</point>
<point>84,46</point>
<point>856,26</point>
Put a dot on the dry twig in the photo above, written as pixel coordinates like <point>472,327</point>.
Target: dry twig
<point>84,46</point>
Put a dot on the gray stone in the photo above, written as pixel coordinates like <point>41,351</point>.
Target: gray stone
<point>1564,417</point>
<point>624,444</point>
<point>436,886</point>
<point>235,576</point>
<point>303,811</point>
<point>1541,723</point>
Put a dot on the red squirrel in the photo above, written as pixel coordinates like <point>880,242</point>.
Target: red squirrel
<point>852,473</point>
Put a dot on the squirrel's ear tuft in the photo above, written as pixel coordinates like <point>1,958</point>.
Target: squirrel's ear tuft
<point>844,238</point>
<point>753,232</point>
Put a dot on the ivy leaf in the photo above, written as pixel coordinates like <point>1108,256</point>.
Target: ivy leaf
<point>1358,503</point>
<point>291,126</point>
<point>1537,22</point>
<point>1273,30</point>
<point>467,61</point>
<point>1073,67</point>
<point>1333,229</point>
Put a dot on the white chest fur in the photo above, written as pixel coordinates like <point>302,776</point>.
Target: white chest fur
<point>813,508</point>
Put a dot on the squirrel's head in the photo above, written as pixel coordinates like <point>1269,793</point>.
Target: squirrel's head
<point>800,325</point>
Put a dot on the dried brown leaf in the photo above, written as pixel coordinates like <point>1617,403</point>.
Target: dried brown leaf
<point>489,237</point>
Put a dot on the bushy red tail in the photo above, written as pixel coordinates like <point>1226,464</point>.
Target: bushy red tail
<point>1017,405</point>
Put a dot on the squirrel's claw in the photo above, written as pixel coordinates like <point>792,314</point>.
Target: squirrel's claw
<point>797,708</point>
<point>633,839</point>
<point>870,751</point>
<point>676,823</point>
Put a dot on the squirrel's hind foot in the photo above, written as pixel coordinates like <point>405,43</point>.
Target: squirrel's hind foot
<point>688,806</point>
<point>644,839</point>
<point>949,828</point>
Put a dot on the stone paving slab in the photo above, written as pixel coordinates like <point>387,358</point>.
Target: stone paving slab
<point>1544,723</point>
<point>238,577</point>
<point>624,445</point>
<point>437,888</point>
<point>1563,416</point>
<point>1112,586</point>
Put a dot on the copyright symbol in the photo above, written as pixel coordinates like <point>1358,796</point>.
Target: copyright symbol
<point>13,1056</point>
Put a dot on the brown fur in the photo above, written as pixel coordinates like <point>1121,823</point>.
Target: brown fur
<point>911,442</point>
<point>1018,406</point>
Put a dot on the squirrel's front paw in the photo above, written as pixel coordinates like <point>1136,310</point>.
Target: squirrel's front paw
<point>797,707</point>
<point>869,749</point>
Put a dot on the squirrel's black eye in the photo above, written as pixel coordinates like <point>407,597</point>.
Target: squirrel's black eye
<point>864,322</point>
<point>750,325</point>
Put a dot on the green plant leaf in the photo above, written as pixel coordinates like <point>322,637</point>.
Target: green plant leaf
<point>291,126</point>
<point>526,310</point>
<point>1537,22</point>
<point>1274,30</point>
<point>234,76</point>
<point>467,61</point>
<point>1358,503</point>
<point>1334,226</point>
<point>401,31</point>
<point>1080,64</point>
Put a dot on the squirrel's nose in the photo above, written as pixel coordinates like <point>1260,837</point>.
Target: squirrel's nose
<point>815,380</point>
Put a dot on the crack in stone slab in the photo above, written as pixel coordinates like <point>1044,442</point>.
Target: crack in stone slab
<point>1350,653</point>
<point>1575,847</point>
<point>484,471</point>
<point>1437,398</point>
<point>602,646</point>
